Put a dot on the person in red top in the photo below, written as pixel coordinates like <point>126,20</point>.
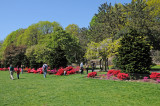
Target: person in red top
<point>18,72</point>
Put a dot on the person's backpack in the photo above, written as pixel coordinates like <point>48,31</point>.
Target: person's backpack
<point>45,67</point>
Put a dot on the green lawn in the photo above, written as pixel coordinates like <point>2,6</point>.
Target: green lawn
<point>74,90</point>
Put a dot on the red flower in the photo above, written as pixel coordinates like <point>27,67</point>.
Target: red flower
<point>29,70</point>
<point>41,72</point>
<point>122,76</point>
<point>35,71</point>
<point>71,72</point>
<point>110,72</point>
<point>60,72</point>
<point>154,75</point>
<point>116,72</point>
<point>92,74</point>
<point>68,68</point>
<point>113,72</point>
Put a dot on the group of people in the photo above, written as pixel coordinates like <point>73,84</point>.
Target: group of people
<point>45,67</point>
<point>11,70</point>
<point>93,66</point>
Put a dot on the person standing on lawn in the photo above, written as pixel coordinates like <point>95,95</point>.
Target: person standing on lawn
<point>44,69</point>
<point>81,67</point>
<point>87,68</point>
<point>11,70</point>
<point>22,69</point>
<point>18,72</point>
<point>93,66</point>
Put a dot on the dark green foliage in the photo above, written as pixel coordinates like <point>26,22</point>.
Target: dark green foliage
<point>14,55</point>
<point>57,58</point>
<point>139,17</point>
<point>107,22</point>
<point>134,54</point>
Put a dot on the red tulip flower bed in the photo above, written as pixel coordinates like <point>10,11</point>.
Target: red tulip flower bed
<point>92,74</point>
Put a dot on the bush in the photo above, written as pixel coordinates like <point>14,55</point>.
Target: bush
<point>92,74</point>
<point>60,72</point>
<point>134,54</point>
<point>155,75</point>
<point>113,72</point>
<point>122,76</point>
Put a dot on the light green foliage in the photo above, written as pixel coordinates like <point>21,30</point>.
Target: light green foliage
<point>104,49</point>
<point>72,29</point>
<point>38,53</point>
<point>113,47</point>
<point>92,51</point>
<point>12,38</point>
<point>156,5</point>
<point>93,21</point>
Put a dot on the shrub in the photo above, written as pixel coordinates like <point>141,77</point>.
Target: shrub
<point>145,79</point>
<point>60,72</point>
<point>113,72</point>
<point>122,76</point>
<point>110,72</point>
<point>71,72</point>
<point>155,75</point>
<point>108,76</point>
<point>77,69</point>
<point>116,72</point>
<point>54,71</point>
<point>133,54</point>
<point>92,74</point>
<point>158,80</point>
<point>29,70</point>
<point>68,68</point>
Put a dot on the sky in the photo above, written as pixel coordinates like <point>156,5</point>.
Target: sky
<point>15,14</point>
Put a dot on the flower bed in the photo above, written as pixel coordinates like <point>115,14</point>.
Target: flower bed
<point>60,72</point>
<point>155,75</point>
<point>122,76</point>
<point>68,70</point>
<point>114,72</point>
<point>4,69</point>
<point>92,74</point>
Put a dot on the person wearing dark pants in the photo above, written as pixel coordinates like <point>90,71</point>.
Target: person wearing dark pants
<point>93,66</point>
<point>18,72</point>
<point>87,68</point>
<point>44,69</point>
<point>81,67</point>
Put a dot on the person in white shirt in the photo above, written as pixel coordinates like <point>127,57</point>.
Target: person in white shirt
<point>44,69</point>
<point>81,67</point>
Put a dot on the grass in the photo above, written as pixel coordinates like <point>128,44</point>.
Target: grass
<point>74,90</point>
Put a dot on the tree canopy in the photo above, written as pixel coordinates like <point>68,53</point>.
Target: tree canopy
<point>47,41</point>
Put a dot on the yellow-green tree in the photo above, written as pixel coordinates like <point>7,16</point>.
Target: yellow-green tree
<point>104,50</point>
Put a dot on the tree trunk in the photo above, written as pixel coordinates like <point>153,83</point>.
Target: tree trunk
<point>101,64</point>
<point>105,64</point>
